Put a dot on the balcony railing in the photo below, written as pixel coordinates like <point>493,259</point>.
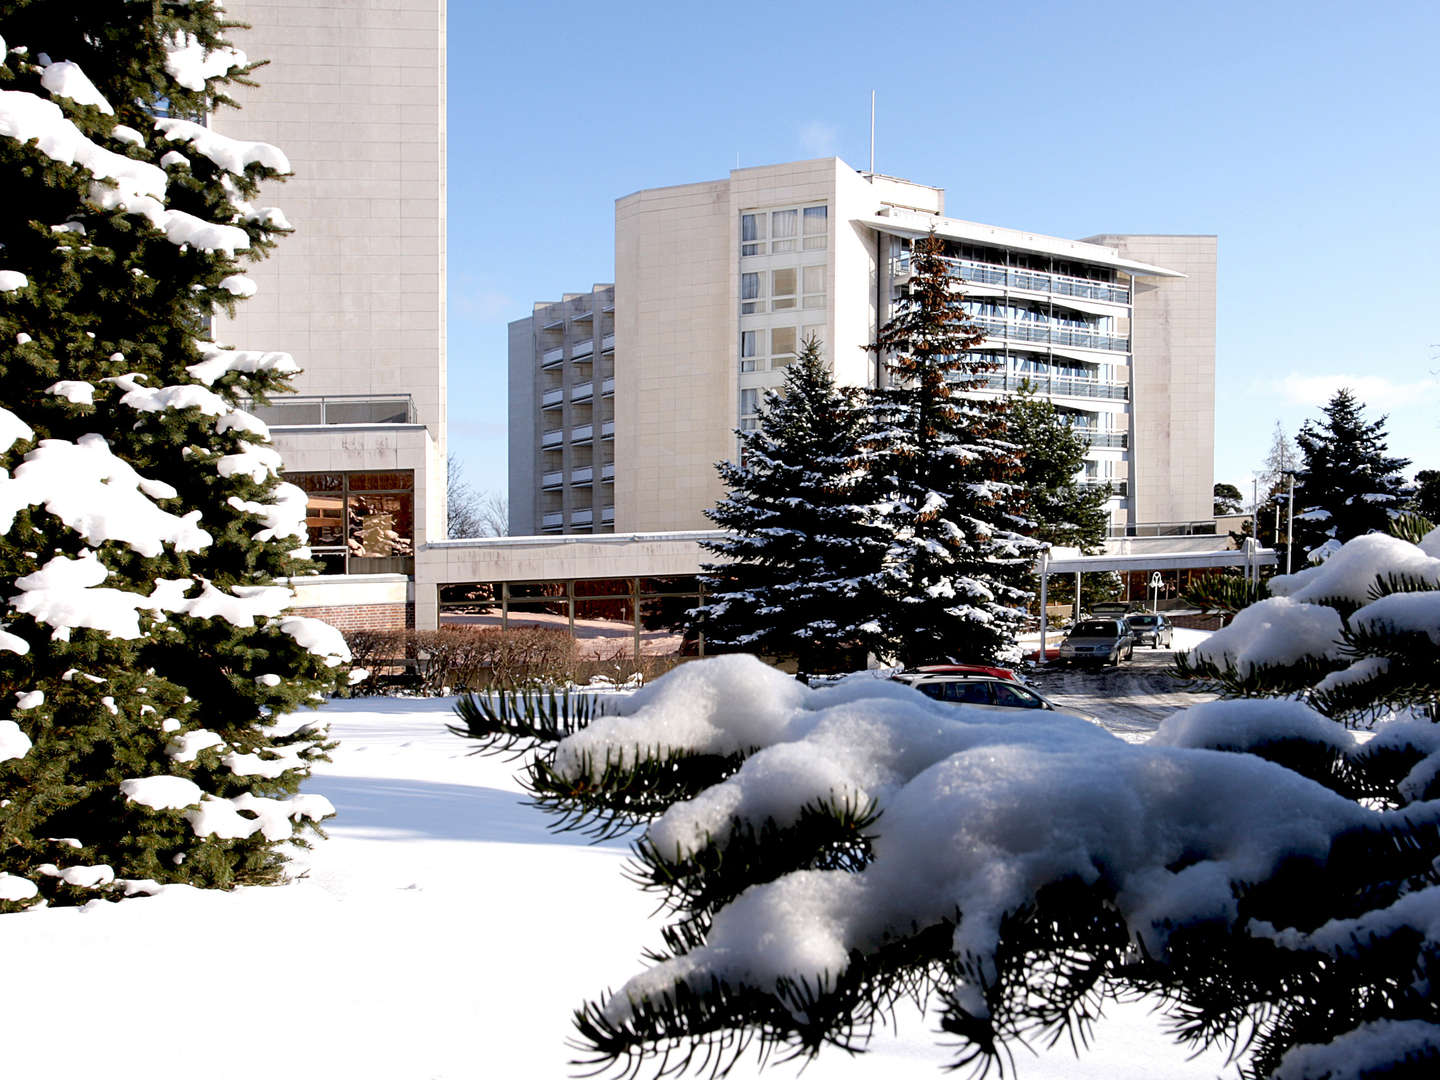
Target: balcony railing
<point>582,392</point>
<point>551,522</point>
<point>553,438</point>
<point>582,517</point>
<point>1048,333</point>
<point>607,387</point>
<point>582,434</point>
<point>550,357</point>
<point>607,472</point>
<point>1007,277</point>
<point>583,476</point>
<point>1118,488</point>
<point>552,479</point>
<point>1058,385</point>
<point>607,343</point>
<point>552,399</point>
<point>607,429</point>
<point>314,410</point>
<point>1104,440</point>
<point>607,515</point>
<point>581,349</point>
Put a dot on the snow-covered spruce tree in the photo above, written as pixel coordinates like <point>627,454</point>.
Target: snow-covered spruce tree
<point>958,573</point>
<point>799,566</point>
<point>1057,509</point>
<point>1346,485</point>
<point>145,658</point>
<point>1270,879</point>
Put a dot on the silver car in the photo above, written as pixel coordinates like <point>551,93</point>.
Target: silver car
<point>1098,641</point>
<point>1154,629</point>
<point>986,691</point>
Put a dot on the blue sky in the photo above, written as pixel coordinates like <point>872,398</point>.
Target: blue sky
<point>1303,135</point>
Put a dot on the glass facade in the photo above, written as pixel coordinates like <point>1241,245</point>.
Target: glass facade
<point>609,618</point>
<point>360,522</point>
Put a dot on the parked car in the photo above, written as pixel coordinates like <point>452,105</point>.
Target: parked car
<point>967,669</point>
<point>1097,641</point>
<point>986,691</point>
<point>1153,628</point>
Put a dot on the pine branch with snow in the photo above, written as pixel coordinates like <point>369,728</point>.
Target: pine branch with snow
<point>145,645</point>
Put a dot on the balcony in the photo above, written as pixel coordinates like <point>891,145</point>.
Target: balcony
<point>581,349</point>
<point>583,434</point>
<point>552,399</point>
<point>607,387</point>
<point>553,438</point>
<point>582,477</point>
<point>552,480</point>
<point>318,410</point>
<point>607,429</point>
<point>607,473</point>
<point>552,522</point>
<point>1057,385</point>
<point>582,517</point>
<point>607,343</point>
<point>551,357</point>
<point>1048,333</point>
<point>1104,440</point>
<point>607,515</point>
<point>1118,488</point>
<point>582,316</point>
<point>1004,277</point>
<point>582,392</point>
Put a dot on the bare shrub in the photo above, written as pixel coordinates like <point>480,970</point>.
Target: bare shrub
<point>470,657</point>
<point>377,651</point>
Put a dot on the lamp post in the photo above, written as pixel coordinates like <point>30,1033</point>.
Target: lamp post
<point>1044,582</point>
<point>1290,520</point>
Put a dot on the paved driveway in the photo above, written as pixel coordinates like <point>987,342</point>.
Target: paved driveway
<point>1130,700</point>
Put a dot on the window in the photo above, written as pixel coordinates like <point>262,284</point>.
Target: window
<point>814,286</point>
<point>749,343</point>
<point>815,225</point>
<point>968,693</point>
<point>783,289</point>
<point>751,298</point>
<point>782,346</point>
<point>749,402</point>
<point>783,225</point>
<point>752,234</point>
<point>360,523</point>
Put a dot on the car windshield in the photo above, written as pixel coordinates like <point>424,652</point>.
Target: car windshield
<point>1143,620</point>
<point>1096,628</point>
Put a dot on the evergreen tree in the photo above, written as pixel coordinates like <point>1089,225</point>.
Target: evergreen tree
<point>799,569</point>
<point>1057,508</point>
<point>823,854</point>
<point>145,651</point>
<point>1426,500</point>
<point>1346,485</point>
<point>1228,500</point>
<point>958,573</point>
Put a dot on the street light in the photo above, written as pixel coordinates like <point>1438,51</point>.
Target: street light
<point>1289,520</point>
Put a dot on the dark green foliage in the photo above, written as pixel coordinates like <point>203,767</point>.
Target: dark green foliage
<point>1226,592</point>
<point>1057,509</point>
<point>1426,499</point>
<point>1228,500</point>
<point>959,573</point>
<point>797,574</point>
<point>1346,485</point>
<point>110,296</point>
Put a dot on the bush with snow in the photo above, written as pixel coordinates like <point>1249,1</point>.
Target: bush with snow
<point>143,646</point>
<point>824,853</point>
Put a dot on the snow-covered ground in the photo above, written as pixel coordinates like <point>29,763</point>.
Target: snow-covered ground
<point>440,931</point>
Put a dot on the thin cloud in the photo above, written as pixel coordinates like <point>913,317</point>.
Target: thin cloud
<point>1374,391</point>
<point>819,140</point>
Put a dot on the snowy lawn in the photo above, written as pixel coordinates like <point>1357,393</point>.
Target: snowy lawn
<point>440,931</point>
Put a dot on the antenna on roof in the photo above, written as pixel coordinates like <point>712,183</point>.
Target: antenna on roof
<point>872,132</point>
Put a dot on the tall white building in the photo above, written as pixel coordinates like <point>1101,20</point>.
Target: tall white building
<point>354,93</point>
<point>717,283</point>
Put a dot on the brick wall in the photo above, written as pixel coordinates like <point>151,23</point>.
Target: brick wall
<point>347,617</point>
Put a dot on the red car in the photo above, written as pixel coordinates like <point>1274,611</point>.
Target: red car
<point>969,669</point>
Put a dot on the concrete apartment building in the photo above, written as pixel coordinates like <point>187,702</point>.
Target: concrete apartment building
<point>354,93</point>
<point>717,283</point>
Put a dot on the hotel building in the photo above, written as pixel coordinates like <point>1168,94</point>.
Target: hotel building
<point>718,283</point>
